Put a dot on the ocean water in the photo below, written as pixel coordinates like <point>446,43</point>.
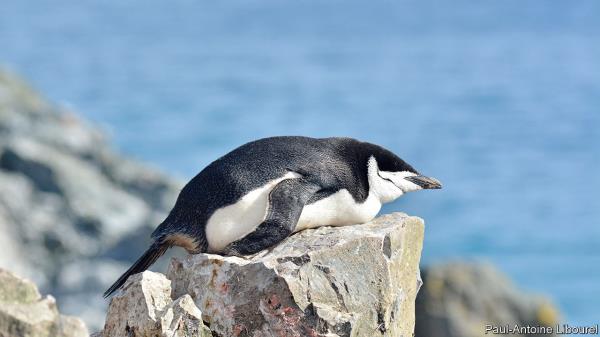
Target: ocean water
<point>500,100</point>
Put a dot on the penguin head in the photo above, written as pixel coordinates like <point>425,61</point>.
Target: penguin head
<point>390,177</point>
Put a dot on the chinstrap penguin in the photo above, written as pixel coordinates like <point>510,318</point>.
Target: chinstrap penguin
<point>260,193</point>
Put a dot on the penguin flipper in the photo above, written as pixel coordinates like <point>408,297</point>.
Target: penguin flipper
<point>286,201</point>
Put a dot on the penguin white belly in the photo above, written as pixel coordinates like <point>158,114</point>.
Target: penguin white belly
<point>338,209</point>
<point>233,222</point>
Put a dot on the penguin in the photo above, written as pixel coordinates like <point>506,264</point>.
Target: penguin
<point>262,192</point>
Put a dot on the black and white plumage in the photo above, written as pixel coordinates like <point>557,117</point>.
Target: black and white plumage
<point>260,193</point>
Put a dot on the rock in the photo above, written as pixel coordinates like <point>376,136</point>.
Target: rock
<point>143,308</point>
<point>183,319</point>
<point>24,313</point>
<point>32,319</point>
<point>461,299</point>
<point>71,326</point>
<point>14,289</point>
<point>137,308</point>
<point>347,281</point>
<point>69,204</point>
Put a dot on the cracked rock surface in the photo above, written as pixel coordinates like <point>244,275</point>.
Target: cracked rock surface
<point>144,309</point>
<point>358,280</point>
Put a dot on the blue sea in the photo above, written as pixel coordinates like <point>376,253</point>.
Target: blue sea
<point>500,100</point>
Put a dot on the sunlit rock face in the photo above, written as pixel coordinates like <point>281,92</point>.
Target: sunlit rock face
<point>144,308</point>
<point>347,281</point>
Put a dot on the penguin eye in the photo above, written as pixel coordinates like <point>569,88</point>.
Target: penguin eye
<point>388,179</point>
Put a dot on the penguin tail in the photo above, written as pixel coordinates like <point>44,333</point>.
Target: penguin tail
<point>156,250</point>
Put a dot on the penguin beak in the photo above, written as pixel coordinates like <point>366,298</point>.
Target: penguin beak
<point>427,183</point>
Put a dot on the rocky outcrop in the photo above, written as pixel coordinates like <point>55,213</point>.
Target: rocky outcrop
<point>24,313</point>
<point>359,280</point>
<point>351,281</point>
<point>144,308</point>
<point>462,299</point>
<point>69,205</point>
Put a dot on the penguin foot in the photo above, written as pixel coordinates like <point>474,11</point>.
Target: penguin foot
<point>261,253</point>
<point>232,250</point>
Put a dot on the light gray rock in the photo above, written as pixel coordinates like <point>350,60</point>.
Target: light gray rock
<point>14,289</point>
<point>182,318</point>
<point>71,326</point>
<point>358,280</point>
<point>39,318</point>
<point>24,313</point>
<point>460,299</point>
<point>137,307</point>
<point>143,308</point>
<point>69,204</point>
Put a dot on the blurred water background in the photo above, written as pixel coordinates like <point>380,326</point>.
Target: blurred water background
<point>497,99</point>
